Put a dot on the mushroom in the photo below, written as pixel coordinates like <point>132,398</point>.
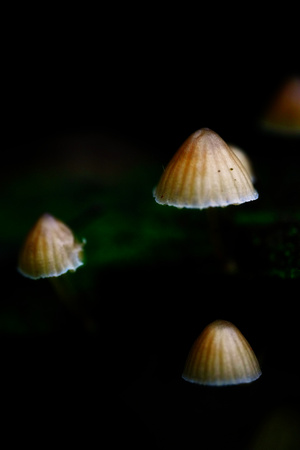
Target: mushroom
<point>204,173</point>
<point>220,356</point>
<point>49,250</point>
<point>245,160</point>
<point>282,115</point>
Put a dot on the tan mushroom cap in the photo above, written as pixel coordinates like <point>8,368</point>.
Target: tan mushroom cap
<point>49,250</point>
<point>221,355</point>
<point>204,173</point>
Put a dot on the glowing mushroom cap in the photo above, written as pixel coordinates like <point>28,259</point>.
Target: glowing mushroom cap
<point>49,250</point>
<point>221,355</point>
<point>204,172</point>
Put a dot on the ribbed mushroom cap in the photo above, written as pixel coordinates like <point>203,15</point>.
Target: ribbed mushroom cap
<point>204,172</point>
<point>221,355</point>
<point>49,250</point>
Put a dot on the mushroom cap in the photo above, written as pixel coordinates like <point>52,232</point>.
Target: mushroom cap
<point>245,160</point>
<point>283,112</point>
<point>49,250</point>
<point>221,355</point>
<point>204,172</point>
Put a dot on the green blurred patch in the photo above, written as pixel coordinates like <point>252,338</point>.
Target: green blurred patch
<point>125,228</point>
<point>256,217</point>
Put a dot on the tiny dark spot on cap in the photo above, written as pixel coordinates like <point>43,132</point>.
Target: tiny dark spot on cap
<point>219,170</point>
<point>231,168</point>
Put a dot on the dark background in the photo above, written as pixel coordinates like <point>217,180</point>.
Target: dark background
<point>155,76</point>
<point>148,78</point>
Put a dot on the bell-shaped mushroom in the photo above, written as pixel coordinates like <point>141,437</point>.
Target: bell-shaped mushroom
<point>245,160</point>
<point>221,355</point>
<point>49,250</point>
<point>204,172</point>
<point>282,115</point>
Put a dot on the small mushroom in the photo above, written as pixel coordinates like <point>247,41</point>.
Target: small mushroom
<point>245,160</point>
<point>282,115</point>
<point>49,250</point>
<point>220,356</point>
<point>204,173</point>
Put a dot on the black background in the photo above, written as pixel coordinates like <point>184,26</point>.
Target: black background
<point>153,75</point>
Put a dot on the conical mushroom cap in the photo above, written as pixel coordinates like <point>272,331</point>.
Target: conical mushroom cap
<point>221,355</point>
<point>49,250</point>
<point>204,172</point>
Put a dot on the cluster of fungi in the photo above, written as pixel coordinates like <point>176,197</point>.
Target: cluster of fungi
<point>205,172</point>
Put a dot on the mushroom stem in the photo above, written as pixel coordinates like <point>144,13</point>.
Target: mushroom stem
<point>226,263</point>
<point>67,293</point>
<point>64,289</point>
